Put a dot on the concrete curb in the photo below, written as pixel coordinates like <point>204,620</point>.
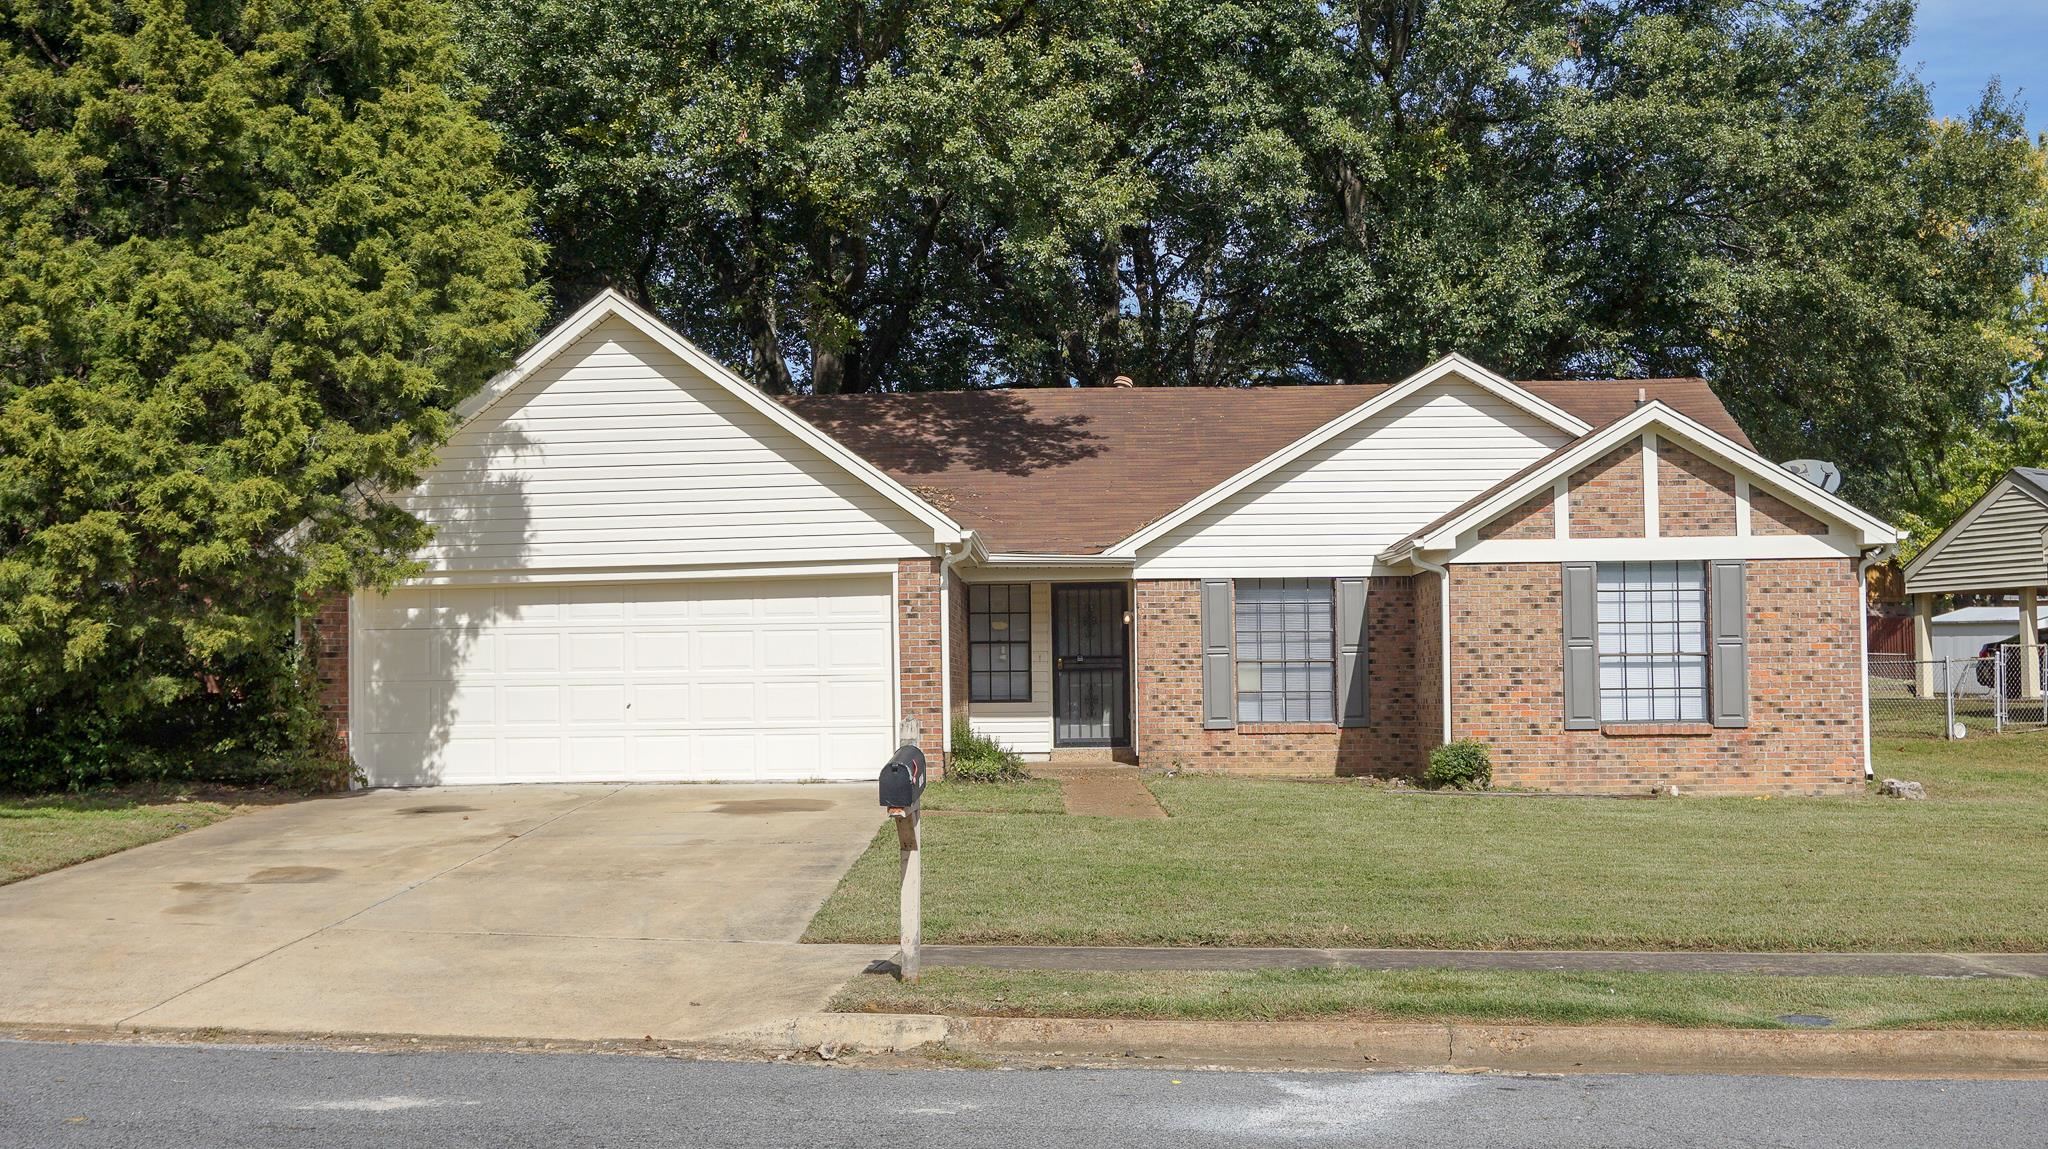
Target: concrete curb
<point>1355,1045</point>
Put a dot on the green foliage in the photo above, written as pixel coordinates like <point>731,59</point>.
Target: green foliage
<point>875,194</point>
<point>254,254</point>
<point>979,759</point>
<point>1460,765</point>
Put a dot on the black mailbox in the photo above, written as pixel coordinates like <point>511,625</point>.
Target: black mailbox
<point>902,779</point>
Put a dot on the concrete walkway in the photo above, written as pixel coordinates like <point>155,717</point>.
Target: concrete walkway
<point>577,912</point>
<point>1141,958</point>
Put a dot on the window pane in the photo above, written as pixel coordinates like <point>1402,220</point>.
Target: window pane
<point>1652,641</point>
<point>999,642</point>
<point>1286,650</point>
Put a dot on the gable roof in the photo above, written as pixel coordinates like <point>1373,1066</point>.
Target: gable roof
<point>609,304</point>
<point>1993,550</point>
<point>1667,422</point>
<point>1075,471</point>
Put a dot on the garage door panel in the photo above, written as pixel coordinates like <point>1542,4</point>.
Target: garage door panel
<point>797,702</point>
<point>529,653</point>
<point>657,703</point>
<point>738,680</point>
<point>656,652</point>
<point>599,652</point>
<point>784,649</point>
<point>866,648</point>
<point>531,705</point>
<point>601,705</point>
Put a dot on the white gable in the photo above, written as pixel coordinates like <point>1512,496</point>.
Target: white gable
<point>1334,508</point>
<point>616,453</point>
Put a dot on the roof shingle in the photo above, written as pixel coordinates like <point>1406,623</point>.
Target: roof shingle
<point>1075,470</point>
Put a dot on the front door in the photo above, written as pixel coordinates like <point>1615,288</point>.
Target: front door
<point>1090,679</point>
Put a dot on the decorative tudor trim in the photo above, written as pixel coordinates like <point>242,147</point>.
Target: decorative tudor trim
<point>1450,366</point>
<point>1652,418</point>
<point>609,304</point>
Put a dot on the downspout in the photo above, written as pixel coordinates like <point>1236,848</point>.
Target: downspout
<point>947,557</point>
<point>1443,578</point>
<point>1863,642</point>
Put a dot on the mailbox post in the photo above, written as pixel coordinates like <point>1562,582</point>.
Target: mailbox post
<point>902,794</point>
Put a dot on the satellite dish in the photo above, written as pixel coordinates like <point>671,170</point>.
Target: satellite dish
<point>1820,473</point>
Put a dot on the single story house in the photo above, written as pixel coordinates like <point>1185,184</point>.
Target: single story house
<point>646,569</point>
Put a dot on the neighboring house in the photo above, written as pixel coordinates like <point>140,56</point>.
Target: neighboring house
<point>1999,545</point>
<point>645,569</point>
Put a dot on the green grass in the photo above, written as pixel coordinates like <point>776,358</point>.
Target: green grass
<point>41,834</point>
<point>1692,1000</point>
<point>1037,796</point>
<point>1244,862</point>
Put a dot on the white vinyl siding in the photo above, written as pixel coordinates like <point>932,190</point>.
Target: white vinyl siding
<point>1329,512</point>
<point>1025,727</point>
<point>730,680</point>
<point>2000,548</point>
<point>618,454</point>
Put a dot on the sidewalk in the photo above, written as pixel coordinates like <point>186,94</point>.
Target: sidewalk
<point>1141,958</point>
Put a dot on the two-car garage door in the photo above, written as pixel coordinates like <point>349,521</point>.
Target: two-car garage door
<point>674,681</point>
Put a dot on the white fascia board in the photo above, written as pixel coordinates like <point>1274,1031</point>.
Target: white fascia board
<point>1963,521</point>
<point>1655,417</point>
<point>610,304</point>
<point>1449,366</point>
<point>1695,547</point>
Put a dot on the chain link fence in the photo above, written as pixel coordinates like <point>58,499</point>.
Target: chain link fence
<point>1955,697</point>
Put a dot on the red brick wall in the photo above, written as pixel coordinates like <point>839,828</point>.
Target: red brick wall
<point>327,640</point>
<point>920,676</point>
<point>1694,497</point>
<point>1429,663</point>
<point>1167,684</point>
<point>1534,519</point>
<point>1607,495</point>
<point>1771,515</point>
<point>1804,734</point>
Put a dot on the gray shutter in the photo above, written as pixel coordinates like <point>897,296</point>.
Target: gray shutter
<point>1728,692</point>
<point>1581,648</point>
<point>1219,675</point>
<point>1354,706</point>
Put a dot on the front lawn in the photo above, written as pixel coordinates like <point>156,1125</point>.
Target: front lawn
<point>1489,996</point>
<point>1246,862</point>
<point>41,834</point>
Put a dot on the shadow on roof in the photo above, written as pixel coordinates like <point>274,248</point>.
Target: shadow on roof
<point>930,433</point>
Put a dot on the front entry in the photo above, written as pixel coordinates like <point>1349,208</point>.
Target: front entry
<point>1091,683</point>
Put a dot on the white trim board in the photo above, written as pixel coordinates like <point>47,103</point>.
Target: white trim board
<point>1449,367</point>
<point>1669,548</point>
<point>1457,533</point>
<point>609,304</point>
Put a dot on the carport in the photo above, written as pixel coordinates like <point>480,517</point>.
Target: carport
<point>1999,546</point>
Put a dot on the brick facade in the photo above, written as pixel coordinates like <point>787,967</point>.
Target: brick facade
<point>1771,515</point>
<point>1167,685</point>
<point>1536,518</point>
<point>326,636</point>
<point>1694,497</point>
<point>919,675</point>
<point>1607,495</point>
<point>1805,732</point>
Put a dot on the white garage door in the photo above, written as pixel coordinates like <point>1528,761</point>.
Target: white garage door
<point>679,681</point>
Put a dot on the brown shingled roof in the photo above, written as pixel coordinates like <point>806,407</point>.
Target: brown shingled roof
<point>1075,470</point>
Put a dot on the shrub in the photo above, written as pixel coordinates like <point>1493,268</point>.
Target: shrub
<point>1462,765</point>
<point>979,759</point>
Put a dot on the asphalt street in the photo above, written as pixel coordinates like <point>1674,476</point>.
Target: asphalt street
<point>285,1098</point>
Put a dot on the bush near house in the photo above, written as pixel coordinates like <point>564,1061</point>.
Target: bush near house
<point>979,759</point>
<point>1461,765</point>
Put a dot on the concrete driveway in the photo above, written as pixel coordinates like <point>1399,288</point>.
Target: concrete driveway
<point>577,912</point>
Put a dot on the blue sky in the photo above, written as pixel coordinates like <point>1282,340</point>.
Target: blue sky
<point>1958,45</point>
